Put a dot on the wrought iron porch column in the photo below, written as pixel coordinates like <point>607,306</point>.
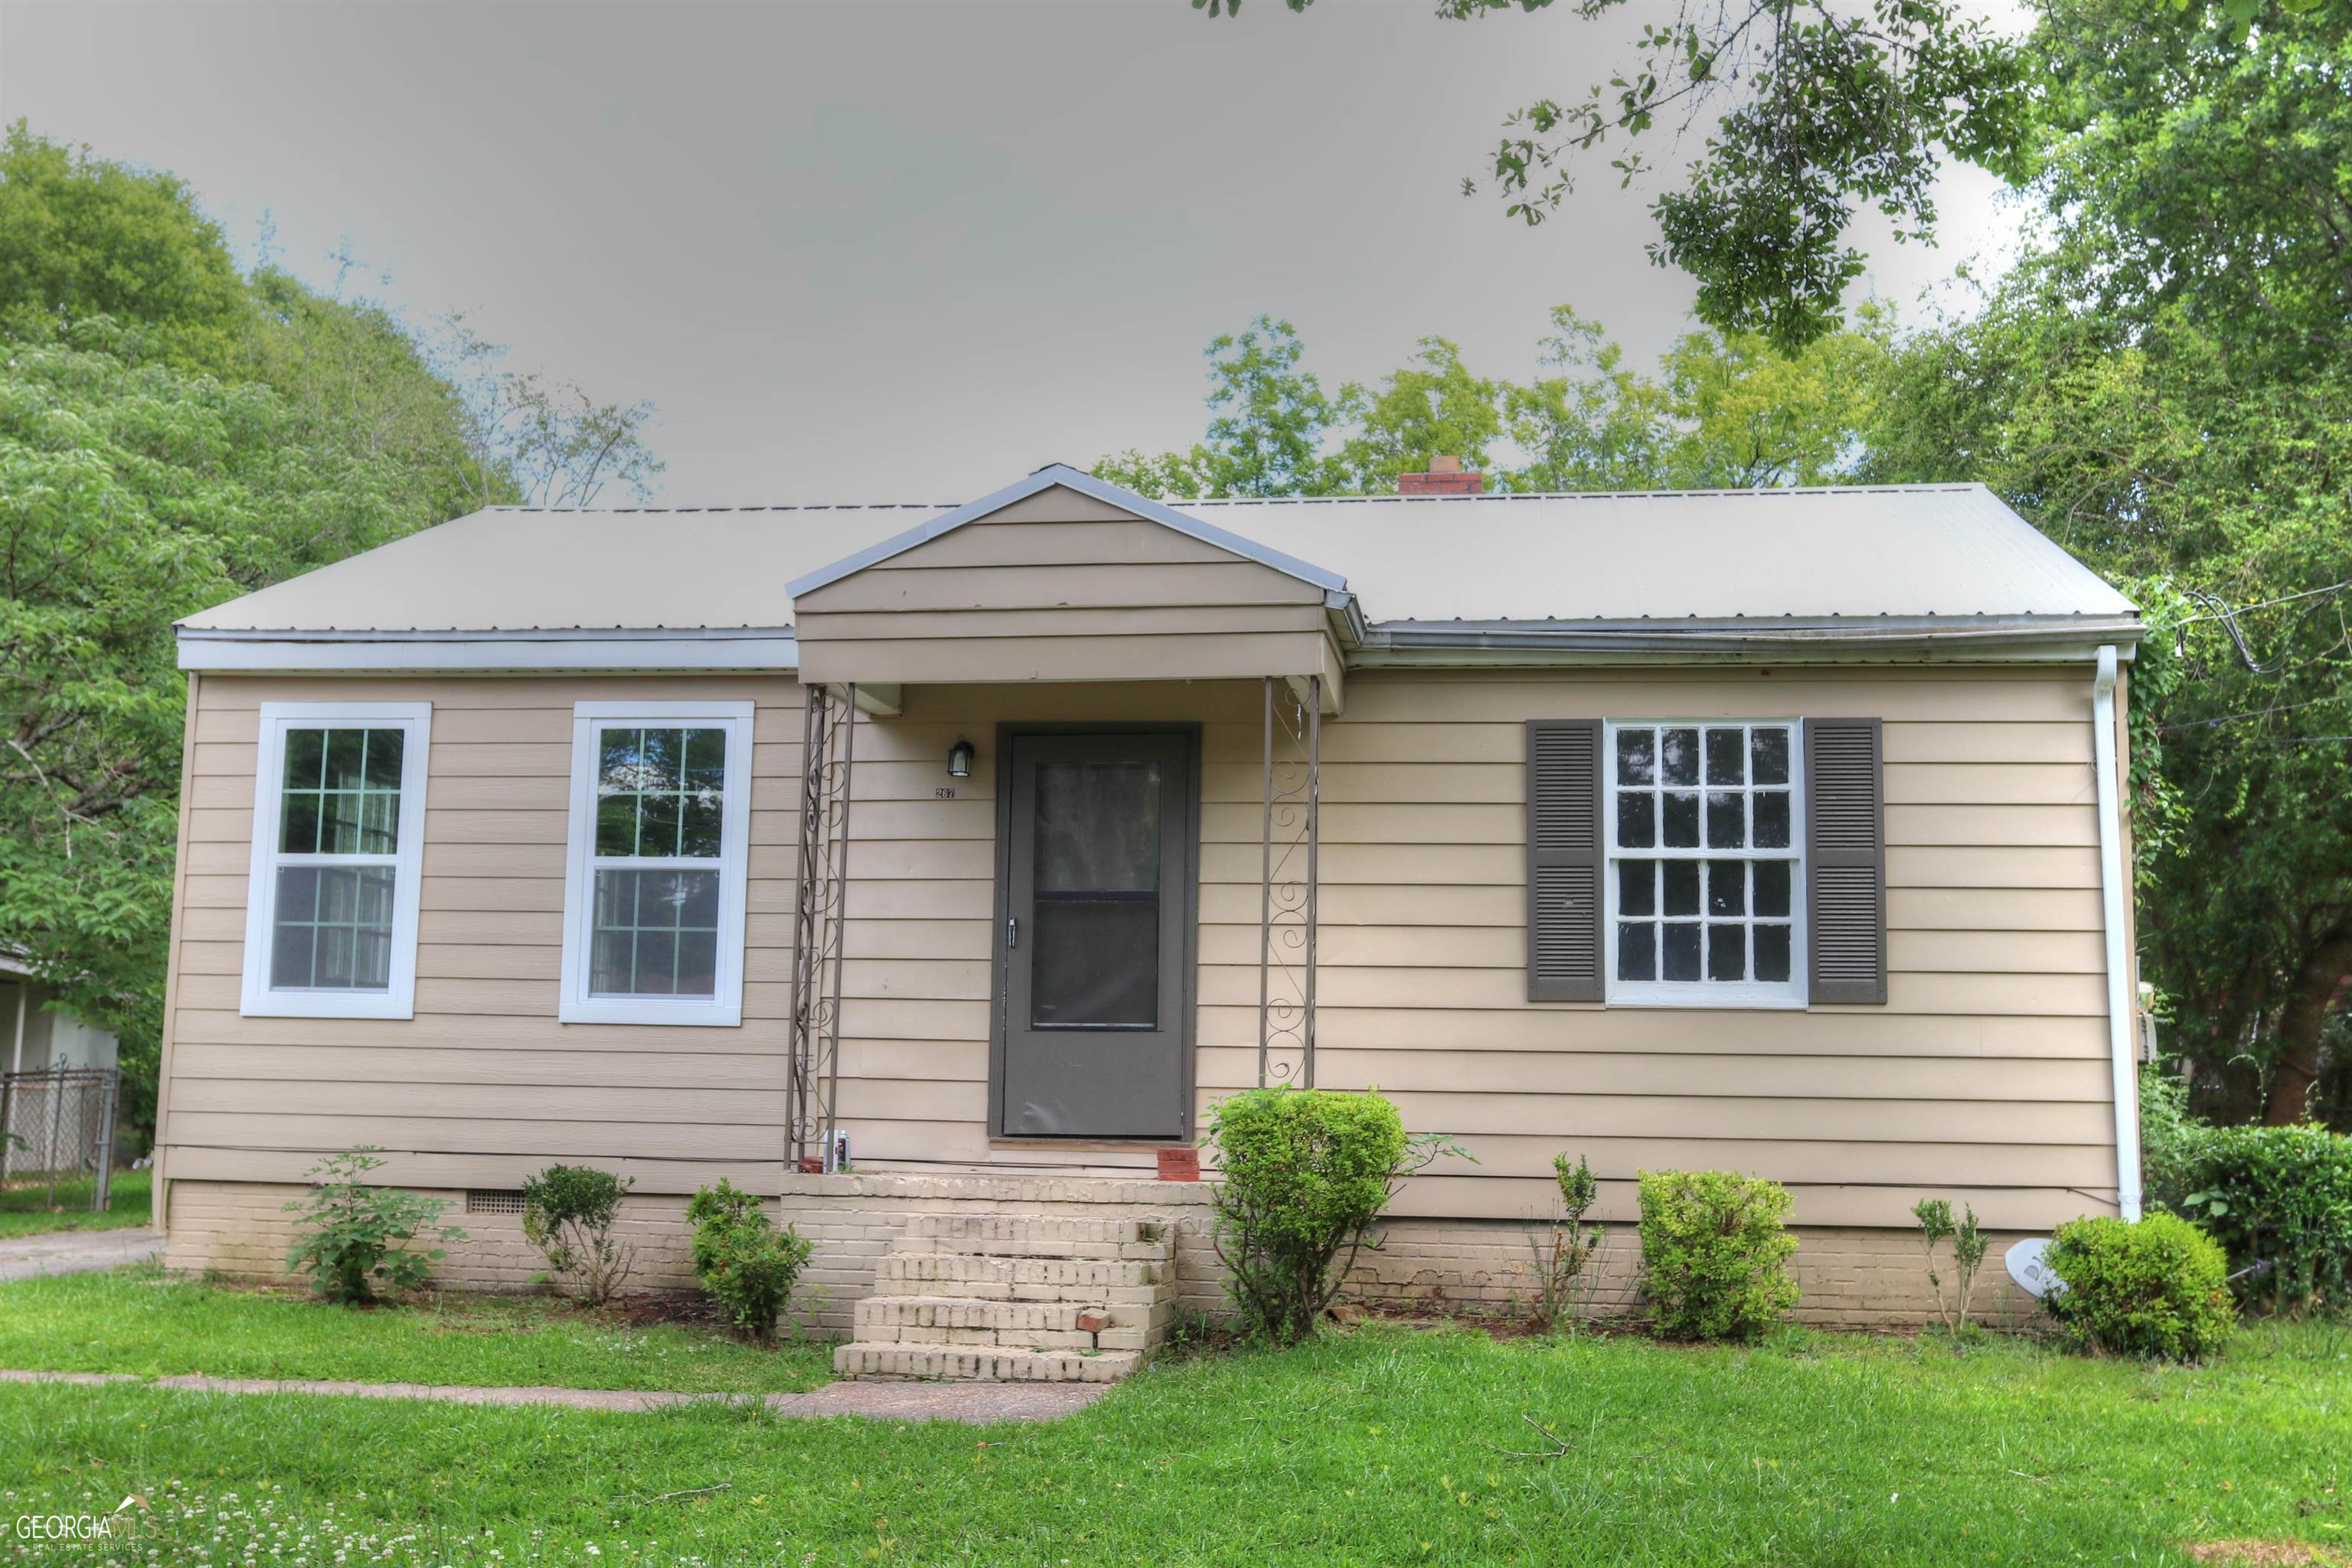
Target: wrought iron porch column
<point>1289,856</point>
<point>828,751</point>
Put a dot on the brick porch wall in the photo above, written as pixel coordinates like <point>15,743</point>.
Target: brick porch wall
<point>1851,1277</point>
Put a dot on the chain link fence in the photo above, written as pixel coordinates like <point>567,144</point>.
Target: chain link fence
<point>57,1132</point>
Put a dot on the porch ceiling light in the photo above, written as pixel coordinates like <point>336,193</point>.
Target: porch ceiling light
<point>960,759</point>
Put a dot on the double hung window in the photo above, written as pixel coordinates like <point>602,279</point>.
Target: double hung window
<point>654,891</point>
<point>338,833</point>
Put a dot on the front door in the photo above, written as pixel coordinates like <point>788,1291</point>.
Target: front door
<point>1094,951</point>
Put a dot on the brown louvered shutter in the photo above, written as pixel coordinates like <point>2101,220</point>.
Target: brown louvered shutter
<point>1564,860</point>
<point>1846,860</point>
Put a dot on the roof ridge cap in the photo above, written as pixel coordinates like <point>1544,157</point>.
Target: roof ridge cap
<point>775,506</point>
<point>1951,486</point>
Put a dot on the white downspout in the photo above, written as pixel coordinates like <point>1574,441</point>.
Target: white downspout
<point>2114,891</point>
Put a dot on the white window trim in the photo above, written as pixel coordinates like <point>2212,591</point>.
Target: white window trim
<point>1744,993</point>
<point>724,1007</point>
<point>259,999</point>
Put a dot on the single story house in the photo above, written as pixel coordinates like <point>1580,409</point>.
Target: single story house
<point>930,868</point>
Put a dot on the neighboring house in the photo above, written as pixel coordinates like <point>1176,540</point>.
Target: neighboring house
<point>36,1036</point>
<point>46,1120</point>
<point>1774,831</point>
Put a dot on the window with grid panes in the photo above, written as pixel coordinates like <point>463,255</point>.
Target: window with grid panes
<point>331,916</point>
<point>337,847</point>
<point>1705,884</point>
<point>656,885</point>
<point>660,797</point>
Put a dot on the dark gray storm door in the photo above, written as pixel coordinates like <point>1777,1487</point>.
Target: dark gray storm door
<point>1095,941</point>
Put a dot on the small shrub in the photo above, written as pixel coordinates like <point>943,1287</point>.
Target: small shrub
<point>352,1237</point>
<point>568,1212</point>
<point>1302,1173</point>
<point>1565,1248</point>
<point>1715,1249</point>
<point>746,1263</point>
<point>2279,1200</point>
<point>1968,1247</point>
<point>2157,1288</point>
<point>2168,1131</point>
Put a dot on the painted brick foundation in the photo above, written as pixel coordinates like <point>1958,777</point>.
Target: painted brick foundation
<point>1851,1277</point>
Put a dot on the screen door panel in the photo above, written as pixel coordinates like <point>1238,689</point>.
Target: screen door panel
<point>1092,956</point>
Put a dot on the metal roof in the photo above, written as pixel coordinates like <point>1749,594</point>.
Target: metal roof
<point>1910,551</point>
<point>1913,554</point>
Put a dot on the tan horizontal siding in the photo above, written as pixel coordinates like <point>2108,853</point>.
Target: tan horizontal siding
<point>1037,656</point>
<point>884,1065</point>
<point>1036,588</point>
<point>1112,541</point>
<point>1146,625</point>
<point>1993,1037</point>
<point>1060,588</point>
<point>1985,1075</point>
<point>490,932</point>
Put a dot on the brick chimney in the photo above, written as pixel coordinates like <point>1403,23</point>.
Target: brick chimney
<point>1444,477</point>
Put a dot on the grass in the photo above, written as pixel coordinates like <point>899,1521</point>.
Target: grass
<point>1383,1446</point>
<point>25,1211</point>
<point>140,1320</point>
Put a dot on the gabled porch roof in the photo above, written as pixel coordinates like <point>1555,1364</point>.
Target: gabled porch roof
<point>1085,484</point>
<point>1062,577</point>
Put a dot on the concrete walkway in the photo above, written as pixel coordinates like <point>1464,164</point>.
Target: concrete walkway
<point>979,1404</point>
<point>77,1251</point>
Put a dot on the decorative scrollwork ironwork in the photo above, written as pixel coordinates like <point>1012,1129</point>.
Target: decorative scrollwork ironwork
<point>1291,848</point>
<point>828,748</point>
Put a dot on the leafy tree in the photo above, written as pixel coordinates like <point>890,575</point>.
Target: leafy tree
<point>2162,387</point>
<point>132,494</point>
<point>354,380</point>
<point>172,435</point>
<point>1724,411</point>
<point>548,443</point>
<point>1267,436</point>
<point>1816,109</point>
<point>82,236</point>
<point>1430,408</point>
<point>1596,425</point>
<point>2200,151</point>
<point>1168,476</point>
<point>1749,416</point>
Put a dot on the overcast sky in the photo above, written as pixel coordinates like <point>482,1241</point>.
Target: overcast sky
<point>890,251</point>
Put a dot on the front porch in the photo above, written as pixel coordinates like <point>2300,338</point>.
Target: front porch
<point>1087,730</point>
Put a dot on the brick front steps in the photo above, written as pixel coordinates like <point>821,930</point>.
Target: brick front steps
<point>1001,1299</point>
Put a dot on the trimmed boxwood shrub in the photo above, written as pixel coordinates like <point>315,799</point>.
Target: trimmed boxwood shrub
<point>1302,1171</point>
<point>2279,1200</point>
<point>1715,1253</point>
<point>2156,1288</point>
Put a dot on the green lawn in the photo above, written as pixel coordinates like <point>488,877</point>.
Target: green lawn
<point>138,1320</point>
<point>25,1211</point>
<point>1380,1445</point>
